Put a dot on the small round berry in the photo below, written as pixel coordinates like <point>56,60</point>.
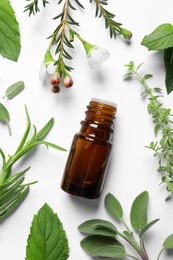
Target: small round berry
<point>55,78</point>
<point>55,88</point>
<point>68,82</point>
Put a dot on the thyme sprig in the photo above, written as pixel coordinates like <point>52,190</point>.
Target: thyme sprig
<point>163,129</point>
<point>33,7</point>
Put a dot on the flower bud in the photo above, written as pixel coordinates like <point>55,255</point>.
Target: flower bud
<point>55,78</point>
<point>68,82</point>
<point>55,88</point>
<point>126,33</point>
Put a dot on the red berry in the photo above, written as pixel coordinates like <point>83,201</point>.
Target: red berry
<point>55,88</point>
<point>68,82</point>
<point>55,79</point>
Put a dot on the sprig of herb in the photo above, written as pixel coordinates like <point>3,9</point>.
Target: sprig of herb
<point>162,119</point>
<point>47,239</point>
<point>12,189</point>
<point>103,236</point>
<point>33,6</point>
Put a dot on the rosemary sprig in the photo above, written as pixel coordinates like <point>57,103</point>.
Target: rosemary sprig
<point>163,121</point>
<point>33,6</point>
<point>12,189</point>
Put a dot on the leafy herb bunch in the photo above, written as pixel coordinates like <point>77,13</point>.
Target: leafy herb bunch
<point>163,121</point>
<point>55,62</point>
<point>104,237</point>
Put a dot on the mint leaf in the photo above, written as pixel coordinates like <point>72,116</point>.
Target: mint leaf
<point>168,59</point>
<point>113,206</point>
<point>9,32</point>
<point>14,90</point>
<point>47,239</point>
<point>161,38</point>
<point>138,213</point>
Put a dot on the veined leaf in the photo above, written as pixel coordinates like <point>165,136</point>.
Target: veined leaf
<point>168,59</point>
<point>14,89</point>
<point>113,206</point>
<point>168,243</point>
<point>9,32</point>
<point>47,239</point>
<point>161,38</point>
<point>138,214</point>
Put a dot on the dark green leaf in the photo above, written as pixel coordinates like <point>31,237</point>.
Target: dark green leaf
<point>113,206</point>
<point>169,69</point>
<point>99,246</point>
<point>14,89</point>
<point>138,214</point>
<point>168,243</point>
<point>9,32</point>
<point>47,239</point>
<point>145,228</point>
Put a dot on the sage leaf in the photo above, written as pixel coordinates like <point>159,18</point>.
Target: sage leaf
<point>47,239</point>
<point>138,213</point>
<point>98,227</point>
<point>99,246</point>
<point>14,89</point>
<point>9,32</point>
<point>147,226</point>
<point>4,116</point>
<point>168,243</point>
<point>168,59</point>
<point>113,206</point>
<point>160,39</point>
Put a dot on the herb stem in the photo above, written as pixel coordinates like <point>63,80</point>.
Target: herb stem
<point>161,251</point>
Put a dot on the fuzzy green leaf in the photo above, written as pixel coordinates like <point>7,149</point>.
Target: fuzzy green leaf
<point>161,38</point>
<point>168,59</point>
<point>9,32</point>
<point>168,243</point>
<point>4,116</point>
<point>113,206</point>
<point>14,90</point>
<point>98,227</point>
<point>47,239</point>
<point>138,214</point>
<point>99,246</point>
<point>147,226</point>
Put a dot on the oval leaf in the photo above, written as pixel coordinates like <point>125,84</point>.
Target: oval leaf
<point>47,239</point>
<point>113,206</point>
<point>168,243</point>
<point>4,114</point>
<point>14,89</point>
<point>99,246</point>
<point>98,227</point>
<point>9,32</point>
<point>138,214</point>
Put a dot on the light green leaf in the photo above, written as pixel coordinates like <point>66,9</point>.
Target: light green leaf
<point>169,68</point>
<point>98,227</point>
<point>147,226</point>
<point>47,239</point>
<point>161,38</point>
<point>99,246</point>
<point>4,116</point>
<point>113,206</point>
<point>9,32</point>
<point>14,89</point>
<point>168,243</point>
<point>138,213</point>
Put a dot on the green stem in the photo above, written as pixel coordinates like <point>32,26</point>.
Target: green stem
<point>161,251</point>
<point>123,222</point>
<point>143,248</point>
<point>132,257</point>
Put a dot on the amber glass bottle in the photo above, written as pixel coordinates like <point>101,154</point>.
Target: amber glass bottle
<point>89,156</point>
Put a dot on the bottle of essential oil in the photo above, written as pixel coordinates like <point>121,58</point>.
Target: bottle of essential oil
<point>89,155</point>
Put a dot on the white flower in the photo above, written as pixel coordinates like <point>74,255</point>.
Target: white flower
<point>46,69</point>
<point>96,56</point>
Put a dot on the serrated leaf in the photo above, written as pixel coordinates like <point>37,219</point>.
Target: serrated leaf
<point>14,90</point>
<point>47,239</point>
<point>138,213</point>
<point>145,228</point>
<point>113,206</point>
<point>99,246</point>
<point>9,32</point>
<point>169,68</point>
<point>161,38</point>
<point>168,243</point>
<point>98,227</point>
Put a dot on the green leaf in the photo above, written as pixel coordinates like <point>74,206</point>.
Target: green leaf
<point>98,227</point>
<point>168,243</point>
<point>44,131</point>
<point>138,214</point>
<point>169,68</point>
<point>147,226</point>
<point>99,246</point>
<point>161,38</point>
<point>14,89</point>
<point>113,206</point>
<point>4,116</point>
<point>47,239</point>
<point>9,32</point>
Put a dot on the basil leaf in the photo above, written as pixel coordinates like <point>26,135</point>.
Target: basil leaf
<point>161,38</point>
<point>113,206</point>
<point>14,89</point>
<point>168,243</point>
<point>99,246</point>
<point>47,239</point>
<point>138,213</point>
<point>4,116</point>
<point>168,59</point>
<point>9,32</point>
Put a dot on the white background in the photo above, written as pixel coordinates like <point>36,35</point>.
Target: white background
<point>133,168</point>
